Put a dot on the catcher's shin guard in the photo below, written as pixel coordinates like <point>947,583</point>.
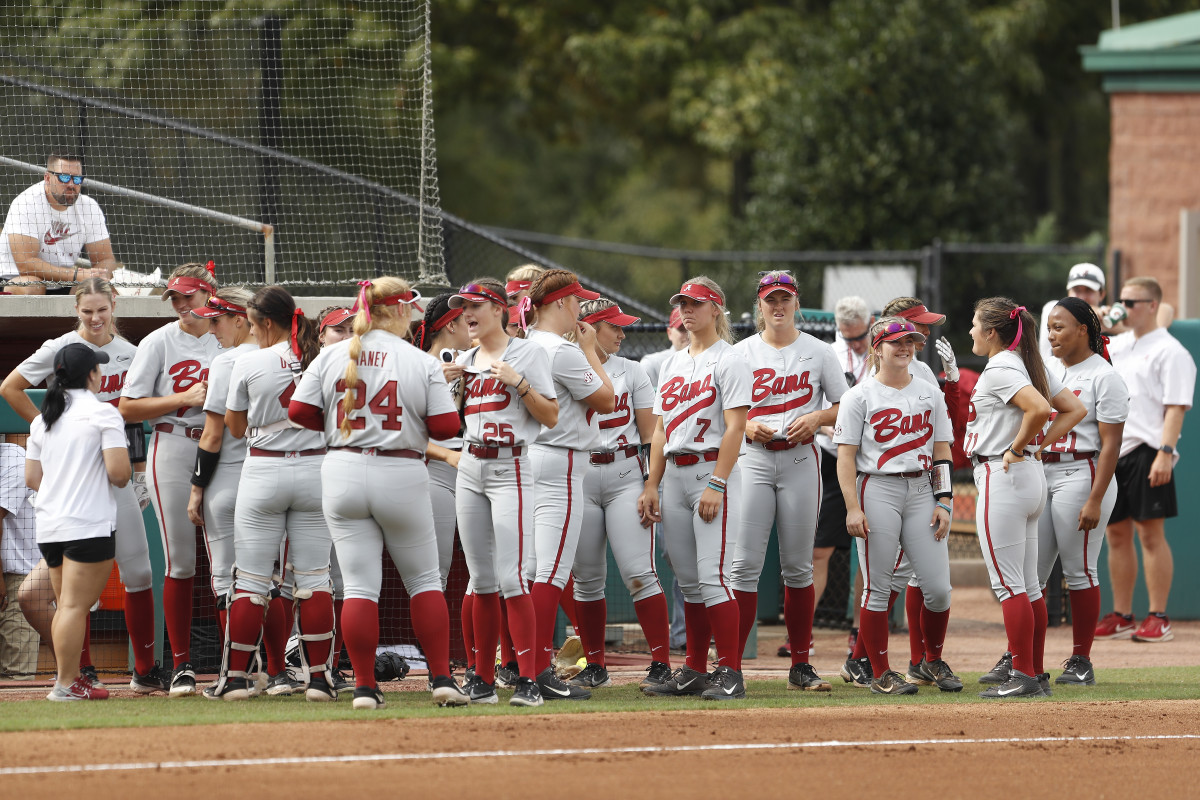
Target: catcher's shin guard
<point>237,614</point>
<point>322,596</point>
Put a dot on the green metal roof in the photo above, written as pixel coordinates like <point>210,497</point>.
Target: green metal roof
<point>1161,55</point>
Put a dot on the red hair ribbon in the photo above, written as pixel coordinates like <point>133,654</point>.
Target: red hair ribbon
<point>1104,340</point>
<point>1016,314</point>
<point>296,315</point>
<point>419,336</point>
<point>361,303</point>
<point>523,308</point>
<point>211,267</point>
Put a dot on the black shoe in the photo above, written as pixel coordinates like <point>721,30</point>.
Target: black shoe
<point>593,676</point>
<point>785,649</point>
<point>183,680</point>
<point>319,690</point>
<point>1077,671</point>
<point>527,693</point>
<point>683,682</point>
<point>153,681</point>
<point>657,674</point>
<point>480,691</point>
<point>340,681</point>
<point>552,688</point>
<point>232,689</point>
<point>892,682</point>
<point>858,671</point>
<point>447,692</point>
<point>803,676</point>
<point>468,675</point>
<point>367,699</point>
<point>1018,685</point>
<point>281,684</point>
<point>1000,672</point>
<point>919,674</point>
<point>725,684</point>
<point>1044,682</point>
<point>943,677</point>
<point>506,676</point>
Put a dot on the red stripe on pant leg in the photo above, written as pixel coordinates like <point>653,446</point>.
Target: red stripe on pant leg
<point>158,512</point>
<point>562,536</point>
<point>1087,540</point>
<point>987,525</point>
<point>866,565</point>
<point>724,539</point>
<point>520,529</point>
<point>360,618</point>
<point>818,456</point>
<point>431,624</point>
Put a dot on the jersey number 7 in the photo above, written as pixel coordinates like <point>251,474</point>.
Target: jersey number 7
<point>384,405</point>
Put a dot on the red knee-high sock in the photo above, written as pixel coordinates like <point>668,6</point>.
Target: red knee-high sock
<point>139,621</point>
<point>245,626</point>
<point>699,634</point>
<point>747,603</point>
<point>873,633</point>
<point>545,608</point>
<point>360,621</point>
<point>654,618</point>
<point>798,608</point>
<point>177,608</point>
<point>1041,621</point>
<point>431,624</point>
<point>276,631</point>
<point>85,655</point>
<point>314,615</point>
<point>1018,624</point>
<point>522,624</point>
<point>485,622</point>
<point>860,647</point>
<point>468,628</point>
<point>508,653</point>
<point>567,603</point>
<point>723,619</point>
<point>591,616</point>
<point>934,623</point>
<point>1085,612</point>
<point>337,632</point>
<point>914,605</point>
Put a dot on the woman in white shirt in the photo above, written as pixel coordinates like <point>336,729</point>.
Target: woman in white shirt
<point>77,454</point>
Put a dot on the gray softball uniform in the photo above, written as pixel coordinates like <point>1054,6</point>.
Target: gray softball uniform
<point>781,481</point>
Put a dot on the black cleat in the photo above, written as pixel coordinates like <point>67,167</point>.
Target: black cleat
<point>153,681</point>
<point>527,693</point>
<point>683,682</point>
<point>1077,671</point>
<point>593,676</point>
<point>552,688</point>
<point>447,692</point>
<point>183,681</point>
<point>803,676</point>
<point>943,677</point>
<point>892,682</point>
<point>1000,672</point>
<point>725,684</point>
<point>858,671</point>
<point>480,691</point>
<point>1018,685</point>
<point>657,674</point>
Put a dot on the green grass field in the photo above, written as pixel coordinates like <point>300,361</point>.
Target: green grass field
<point>1161,683</point>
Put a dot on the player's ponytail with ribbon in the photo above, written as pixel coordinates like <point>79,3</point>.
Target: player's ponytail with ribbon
<point>1017,331</point>
<point>277,304</point>
<point>1085,315</point>
<point>385,304</point>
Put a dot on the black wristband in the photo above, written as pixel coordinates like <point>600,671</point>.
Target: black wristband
<point>135,440</point>
<point>206,465</point>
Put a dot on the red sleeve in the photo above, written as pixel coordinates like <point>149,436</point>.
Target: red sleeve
<point>443,426</point>
<point>308,416</point>
<point>957,409</point>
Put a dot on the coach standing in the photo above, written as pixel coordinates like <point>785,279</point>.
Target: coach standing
<point>1161,376</point>
<point>48,225</point>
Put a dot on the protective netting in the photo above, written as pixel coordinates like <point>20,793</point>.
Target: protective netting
<point>228,130</point>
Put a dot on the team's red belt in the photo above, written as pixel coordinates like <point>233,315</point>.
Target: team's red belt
<point>609,456</point>
<point>375,451</point>
<point>778,444</point>
<point>179,430</point>
<point>985,459</point>
<point>479,451</point>
<point>258,451</point>
<point>688,459</point>
<point>1053,458</point>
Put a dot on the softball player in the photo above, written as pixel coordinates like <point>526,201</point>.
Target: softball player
<point>508,396</point>
<point>1079,474</point>
<point>377,400</point>
<point>703,397</point>
<point>892,430</point>
<point>793,373</point>
<point>166,385</point>
<point>1010,404</point>
<point>278,495</point>
<point>559,454</point>
<point>612,483</point>
<point>95,306</point>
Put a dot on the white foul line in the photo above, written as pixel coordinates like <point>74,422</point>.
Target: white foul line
<point>574,751</point>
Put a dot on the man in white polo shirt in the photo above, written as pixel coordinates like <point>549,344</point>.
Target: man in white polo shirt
<point>48,225</point>
<point>1161,377</point>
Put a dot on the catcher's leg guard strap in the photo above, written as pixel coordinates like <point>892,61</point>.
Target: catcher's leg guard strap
<point>302,595</point>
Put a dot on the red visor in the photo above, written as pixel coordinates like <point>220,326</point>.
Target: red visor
<point>215,307</point>
<point>697,291</point>
<point>778,287</point>
<point>676,320</point>
<point>516,287</point>
<point>922,315</point>
<point>336,317</point>
<point>612,315</point>
<point>514,315</point>
<point>566,291</point>
<point>188,286</point>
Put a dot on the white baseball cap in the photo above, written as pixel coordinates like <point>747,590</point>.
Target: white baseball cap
<point>1088,275</point>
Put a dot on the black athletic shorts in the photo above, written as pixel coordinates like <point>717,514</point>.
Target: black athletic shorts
<point>831,523</point>
<point>85,551</point>
<point>1135,497</point>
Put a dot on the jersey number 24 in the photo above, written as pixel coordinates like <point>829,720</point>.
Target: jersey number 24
<point>384,405</point>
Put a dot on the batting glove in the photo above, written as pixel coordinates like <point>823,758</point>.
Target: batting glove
<point>141,489</point>
<point>949,363</point>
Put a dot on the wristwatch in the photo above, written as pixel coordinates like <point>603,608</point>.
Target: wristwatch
<point>1166,448</point>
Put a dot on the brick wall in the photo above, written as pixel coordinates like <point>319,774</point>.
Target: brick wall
<point>1154,172</point>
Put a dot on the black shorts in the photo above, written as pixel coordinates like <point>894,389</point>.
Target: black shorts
<point>1135,497</point>
<point>831,524</point>
<point>85,551</point>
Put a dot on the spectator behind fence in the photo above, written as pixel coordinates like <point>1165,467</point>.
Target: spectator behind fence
<point>1161,377</point>
<point>47,227</point>
<point>18,555</point>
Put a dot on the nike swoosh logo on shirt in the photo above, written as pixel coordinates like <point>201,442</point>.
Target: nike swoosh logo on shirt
<point>123,358</point>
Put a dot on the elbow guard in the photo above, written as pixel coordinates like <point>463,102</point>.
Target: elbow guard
<point>135,440</point>
<point>939,479</point>
<point>206,465</point>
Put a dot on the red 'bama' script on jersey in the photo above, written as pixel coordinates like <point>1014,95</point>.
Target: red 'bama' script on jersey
<point>620,417</point>
<point>187,374</point>
<point>768,384</point>
<point>891,422</point>
<point>697,396</point>
<point>486,394</point>
<point>110,384</point>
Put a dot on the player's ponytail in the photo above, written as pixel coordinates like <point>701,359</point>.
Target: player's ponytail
<point>385,304</point>
<point>1017,330</point>
<point>1085,315</point>
<point>277,304</point>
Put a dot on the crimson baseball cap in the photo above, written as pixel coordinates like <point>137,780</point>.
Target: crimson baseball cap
<point>613,315</point>
<point>74,362</point>
<point>921,314</point>
<point>1088,275</point>
<point>696,291</point>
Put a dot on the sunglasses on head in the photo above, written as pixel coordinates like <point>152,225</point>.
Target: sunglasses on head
<point>771,280</point>
<point>475,288</point>
<point>63,177</point>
